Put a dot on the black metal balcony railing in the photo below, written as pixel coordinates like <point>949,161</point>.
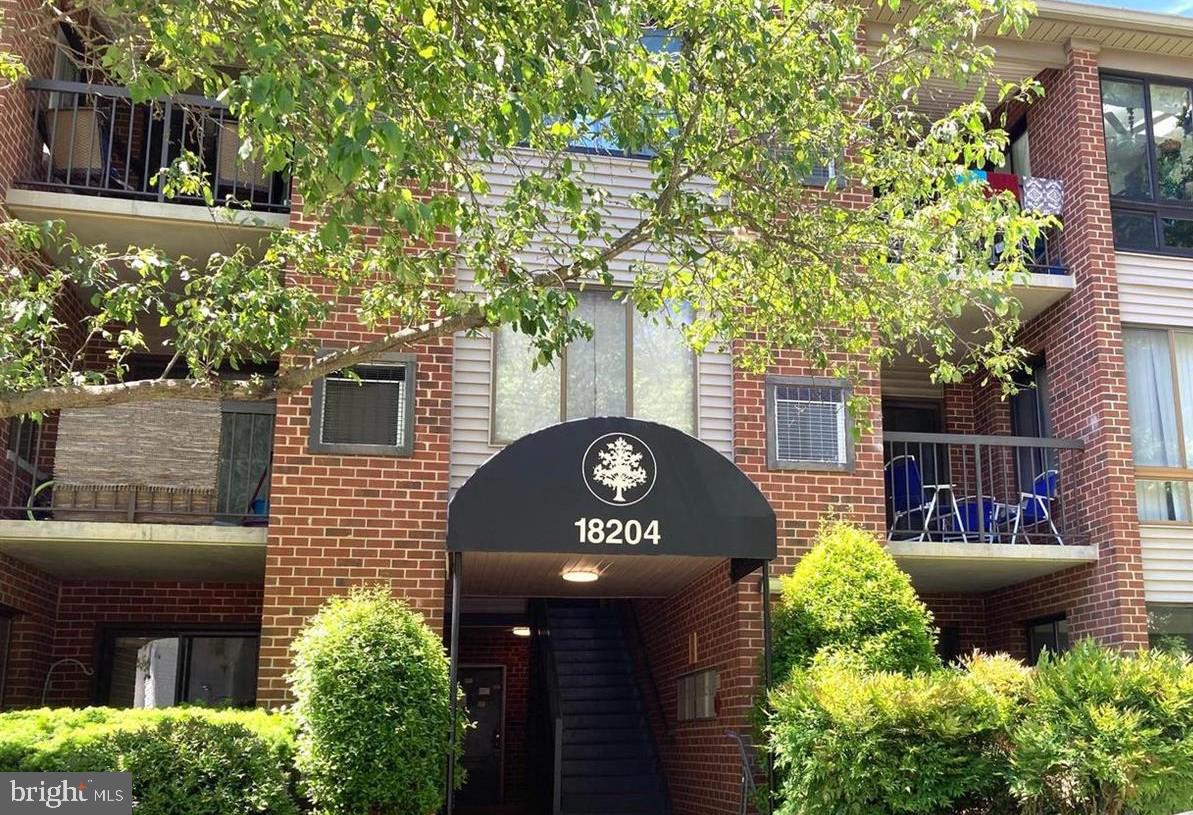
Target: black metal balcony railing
<point>234,493</point>
<point>94,140</point>
<point>980,489</point>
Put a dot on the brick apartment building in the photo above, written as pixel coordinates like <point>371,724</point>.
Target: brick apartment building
<point>144,566</point>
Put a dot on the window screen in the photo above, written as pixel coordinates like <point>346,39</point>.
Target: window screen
<point>809,424</point>
<point>365,414</point>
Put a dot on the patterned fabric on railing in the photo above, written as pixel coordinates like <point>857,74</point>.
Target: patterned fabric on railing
<point>1045,195</point>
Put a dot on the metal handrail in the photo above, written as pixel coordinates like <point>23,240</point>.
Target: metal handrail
<point>118,92</point>
<point>650,677</point>
<point>998,441</point>
<point>966,487</point>
<point>749,787</point>
<point>97,139</point>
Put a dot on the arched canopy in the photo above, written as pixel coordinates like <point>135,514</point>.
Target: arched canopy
<point>612,486</point>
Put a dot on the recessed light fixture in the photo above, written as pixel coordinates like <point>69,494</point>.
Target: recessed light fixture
<point>520,631</point>
<point>580,575</point>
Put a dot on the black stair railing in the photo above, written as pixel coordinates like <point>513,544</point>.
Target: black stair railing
<point>644,661</point>
<point>552,757</point>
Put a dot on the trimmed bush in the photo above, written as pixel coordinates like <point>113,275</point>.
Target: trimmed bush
<point>372,694</point>
<point>847,594</point>
<point>183,760</point>
<point>847,740</point>
<point>1106,733</point>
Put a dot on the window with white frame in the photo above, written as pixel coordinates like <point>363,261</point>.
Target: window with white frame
<point>807,425</point>
<point>1160,405</point>
<point>632,366</point>
<point>697,696</point>
<point>366,410</point>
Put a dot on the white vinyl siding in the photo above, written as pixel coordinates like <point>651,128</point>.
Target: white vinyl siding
<point>1167,563</point>
<point>1155,290</point>
<point>472,356</point>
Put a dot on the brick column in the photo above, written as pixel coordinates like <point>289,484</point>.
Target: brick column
<point>338,521</point>
<point>1081,339</point>
<point>22,33</point>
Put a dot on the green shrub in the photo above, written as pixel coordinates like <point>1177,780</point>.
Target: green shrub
<point>370,681</point>
<point>847,741</point>
<point>183,760</point>
<point>848,594</point>
<point>1106,733</point>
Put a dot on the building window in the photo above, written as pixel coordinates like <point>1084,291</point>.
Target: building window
<point>1148,126</point>
<point>159,668</point>
<point>1170,627</point>
<point>24,437</point>
<point>246,445</point>
<point>1160,404</point>
<point>598,137</point>
<point>632,366</point>
<point>807,424</point>
<point>366,410</point>
<point>1050,635</point>
<point>697,696</point>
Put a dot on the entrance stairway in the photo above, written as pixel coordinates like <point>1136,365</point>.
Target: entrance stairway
<point>608,761</point>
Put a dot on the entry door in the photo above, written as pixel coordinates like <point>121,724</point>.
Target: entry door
<point>1029,417</point>
<point>916,416</point>
<point>484,694</point>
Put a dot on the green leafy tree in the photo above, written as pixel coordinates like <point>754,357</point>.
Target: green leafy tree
<point>848,595</point>
<point>389,112</point>
<point>373,708</point>
<point>1107,733</point>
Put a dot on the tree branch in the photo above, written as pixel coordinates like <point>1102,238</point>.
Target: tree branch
<point>41,400</point>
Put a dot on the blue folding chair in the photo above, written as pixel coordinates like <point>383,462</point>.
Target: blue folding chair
<point>1035,507</point>
<point>980,516</point>
<point>907,490</point>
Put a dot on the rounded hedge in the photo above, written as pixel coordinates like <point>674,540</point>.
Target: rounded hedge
<point>847,594</point>
<point>373,708</point>
<point>848,740</point>
<point>183,760</point>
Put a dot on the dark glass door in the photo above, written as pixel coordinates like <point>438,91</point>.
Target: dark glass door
<point>1029,417</point>
<point>484,695</point>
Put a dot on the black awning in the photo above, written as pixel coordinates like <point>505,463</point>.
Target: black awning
<point>611,486</point>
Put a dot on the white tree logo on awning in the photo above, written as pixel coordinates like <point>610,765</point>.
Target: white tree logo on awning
<point>619,469</point>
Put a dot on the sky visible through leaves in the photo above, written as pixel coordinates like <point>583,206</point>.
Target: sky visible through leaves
<point>1181,7</point>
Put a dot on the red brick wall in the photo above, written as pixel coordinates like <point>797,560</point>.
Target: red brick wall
<point>497,646</point>
<point>338,521</point>
<point>1081,340</point>
<point>30,597</point>
<point>801,498</point>
<point>966,613</point>
<point>85,605</point>
<point>23,33</point>
<point>701,763</point>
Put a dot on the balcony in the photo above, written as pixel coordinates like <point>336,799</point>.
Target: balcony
<point>176,490</point>
<point>95,161</point>
<point>974,513</point>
